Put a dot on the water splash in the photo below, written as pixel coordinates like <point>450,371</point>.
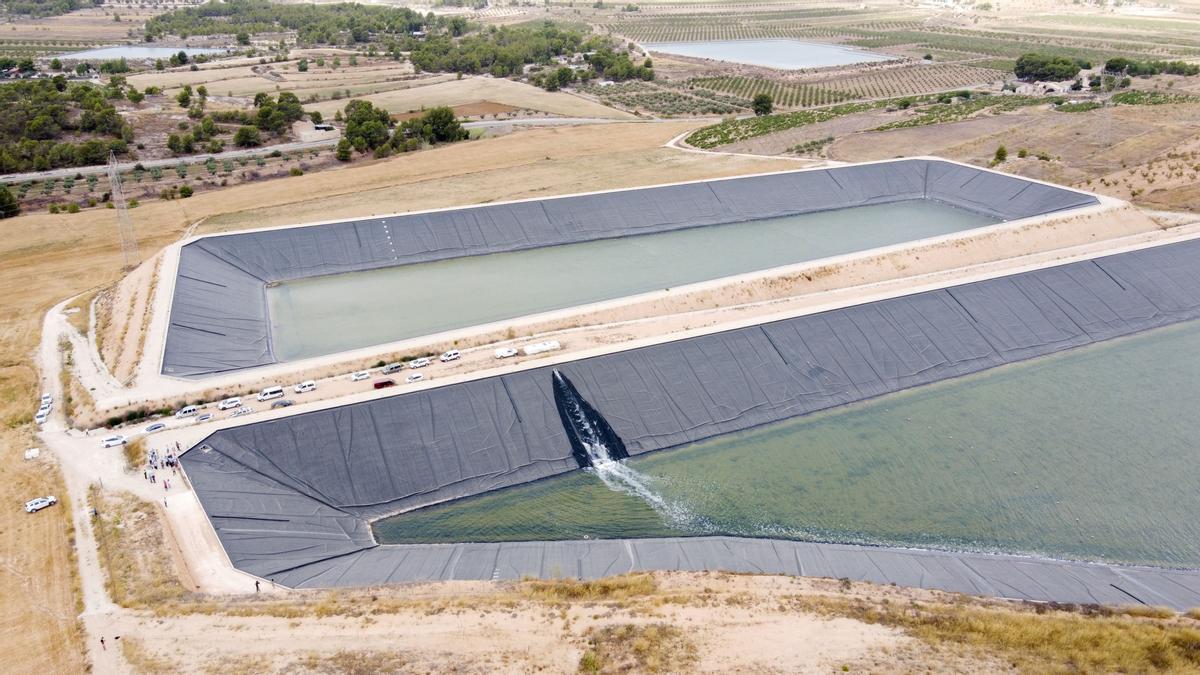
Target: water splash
<point>600,451</point>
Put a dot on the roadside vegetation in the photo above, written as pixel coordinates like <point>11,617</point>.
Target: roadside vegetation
<point>953,111</point>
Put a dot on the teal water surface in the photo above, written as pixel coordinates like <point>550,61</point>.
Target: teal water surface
<point>323,315</point>
<point>1088,454</point>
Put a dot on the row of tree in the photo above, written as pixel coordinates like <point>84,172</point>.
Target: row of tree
<point>1050,67</point>
<point>1122,65</point>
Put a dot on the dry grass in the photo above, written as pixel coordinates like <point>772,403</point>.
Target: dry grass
<point>40,598</point>
<point>628,647</point>
<point>1032,639</point>
<point>79,311</point>
<point>573,590</point>
<point>143,661</point>
<point>135,453</point>
<point>139,571</point>
<point>476,89</point>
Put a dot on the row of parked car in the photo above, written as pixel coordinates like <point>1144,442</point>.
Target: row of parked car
<point>276,393</point>
<point>43,413</point>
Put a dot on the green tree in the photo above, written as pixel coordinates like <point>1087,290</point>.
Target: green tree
<point>184,98</point>
<point>185,191</point>
<point>343,150</point>
<point>302,66</point>
<point>8,203</point>
<point>55,64</point>
<point>762,104</point>
<point>247,137</point>
<point>1034,66</point>
<point>243,38</point>
<point>366,125</point>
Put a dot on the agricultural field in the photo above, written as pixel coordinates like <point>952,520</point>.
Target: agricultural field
<point>668,99</point>
<point>785,94</point>
<point>911,80</point>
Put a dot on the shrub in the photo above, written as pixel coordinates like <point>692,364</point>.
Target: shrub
<point>185,191</point>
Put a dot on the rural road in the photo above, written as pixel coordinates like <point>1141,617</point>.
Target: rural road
<point>169,161</point>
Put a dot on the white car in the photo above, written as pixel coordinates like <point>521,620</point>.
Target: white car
<point>35,505</point>
<point>244,410</point>
<point>229,403</point>
<point>414,377</point>
<point>360,376</point>
<point>186,411</point>
<point>204,418</point>
<point>305,387</point>
<point>506,352</point>
<point>418,363</point>
<point>47,399</point>
<point>451,355</point>
<point>42,416</point>
<point>112,441</point>
<point>154,428</point>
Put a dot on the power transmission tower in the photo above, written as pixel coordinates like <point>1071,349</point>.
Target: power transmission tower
<point>129,249</point>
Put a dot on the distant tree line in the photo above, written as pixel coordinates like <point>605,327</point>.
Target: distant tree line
<point>603,62</point>
<point>501,51</point>
<point>1133,68</point>
<point>41,8</point>
<point>39,115</point>
<point>341,23</point>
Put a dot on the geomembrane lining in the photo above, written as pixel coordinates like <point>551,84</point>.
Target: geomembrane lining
<point>219,317</point>
<point>291,498</point>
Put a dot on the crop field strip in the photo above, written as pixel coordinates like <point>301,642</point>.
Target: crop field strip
<point>663,98</point>
<point>785,95</point>
<point>893,82</point>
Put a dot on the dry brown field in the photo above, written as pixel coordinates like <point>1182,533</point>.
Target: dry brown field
<point>476,89</point>
<point>46,258</point>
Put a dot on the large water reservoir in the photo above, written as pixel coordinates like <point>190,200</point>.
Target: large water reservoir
<point>327,314</point>
<point>1087,454</point>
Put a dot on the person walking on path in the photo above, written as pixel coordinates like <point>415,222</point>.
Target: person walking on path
<point>102,645</point>
<point>256,585</point>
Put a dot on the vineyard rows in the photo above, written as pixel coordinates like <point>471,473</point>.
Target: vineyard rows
<point>785,95</point>
<point>910,80</point>
<point>668,100</point>
<point>657,32</point>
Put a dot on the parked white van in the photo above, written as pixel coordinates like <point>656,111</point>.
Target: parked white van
<point>451,355</point>
<point>229,403</point>
<point>186,411</point>
<point>270,393</point>
<point>305,387</point>
<point>506,352</point>
<point>539,347</point>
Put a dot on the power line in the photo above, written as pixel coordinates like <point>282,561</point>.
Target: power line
<point>129,248</point>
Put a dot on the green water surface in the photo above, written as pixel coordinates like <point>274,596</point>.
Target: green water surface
<point>323,315</point>
<point>1088,454</point>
